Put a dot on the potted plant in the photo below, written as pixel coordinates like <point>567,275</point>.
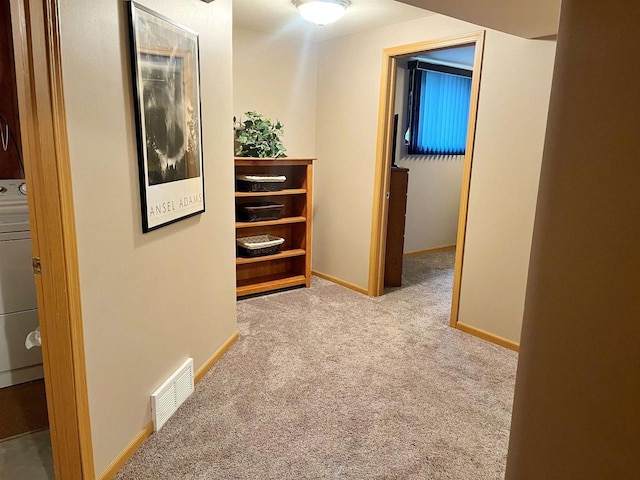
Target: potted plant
<point>258,137</point>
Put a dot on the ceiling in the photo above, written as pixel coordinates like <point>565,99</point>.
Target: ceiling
<point>281,16</point>
<point>524,18</point>
<point>461,57</point>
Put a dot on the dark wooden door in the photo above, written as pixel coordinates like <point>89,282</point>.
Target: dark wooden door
<point>9,160</point>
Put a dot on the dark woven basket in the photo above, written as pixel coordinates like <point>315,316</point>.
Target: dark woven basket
<point>246,186</point>
<point>258,252</point>
<point>259,212</point>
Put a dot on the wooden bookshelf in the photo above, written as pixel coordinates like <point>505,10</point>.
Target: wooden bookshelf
<point>291,266</point>
<point>268,258</point>
<point>289,191</point>
<point>268,223</point>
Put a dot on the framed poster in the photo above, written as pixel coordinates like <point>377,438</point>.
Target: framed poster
<point>166,85</point>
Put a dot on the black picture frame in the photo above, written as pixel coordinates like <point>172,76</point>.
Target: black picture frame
<point>166,88</point>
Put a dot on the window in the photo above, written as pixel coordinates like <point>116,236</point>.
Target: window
<point>438,109</point>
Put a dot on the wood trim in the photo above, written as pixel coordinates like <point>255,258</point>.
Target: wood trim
<point>289,191</point>
<point>342,283</point>
<point>127,453</point>
<point>252,161</point>
<point>490,337</point>
<point>308,212</point>
<point>383,158</point>
<point>429,250</point>
<point>269,283</point>
<point>382,177</point>
<point>437,43</point>
<point>202,371</point>
<point>147,431</point>
<point>295,252</point>
<point>269,223</point>
<point>466,180</point>
<point>47,165</point>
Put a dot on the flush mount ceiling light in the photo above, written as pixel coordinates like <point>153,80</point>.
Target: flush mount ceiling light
<point>321,12</point>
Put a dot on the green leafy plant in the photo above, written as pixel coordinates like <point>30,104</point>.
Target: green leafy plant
<point>258,137</point>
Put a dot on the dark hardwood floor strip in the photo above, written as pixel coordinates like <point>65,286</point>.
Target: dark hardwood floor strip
<point>23,408</point>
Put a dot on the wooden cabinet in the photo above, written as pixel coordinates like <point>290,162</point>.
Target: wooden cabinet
<point>395,226</point>
<point>291,266</point>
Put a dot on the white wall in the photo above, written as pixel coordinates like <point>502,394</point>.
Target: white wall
<point>513,104</point>
<point>433,197</point>
<point>148,301</point>
<point>275,75</point>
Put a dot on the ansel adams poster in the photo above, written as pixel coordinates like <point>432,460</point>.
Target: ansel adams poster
<point>167,97</point>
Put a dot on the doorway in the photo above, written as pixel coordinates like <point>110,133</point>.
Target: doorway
<point>25,447</point>
<point>42,123</point>
<point>391,57</point>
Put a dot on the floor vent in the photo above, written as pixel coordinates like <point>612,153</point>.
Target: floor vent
<point>171,394</point>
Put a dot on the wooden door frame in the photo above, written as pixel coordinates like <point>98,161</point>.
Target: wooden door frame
<point>36,38</point>
<point>383,158</point>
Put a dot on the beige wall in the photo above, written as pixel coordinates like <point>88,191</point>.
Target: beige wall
<point>514,100</point>
<point>576,410</point>
<point>433,201</point>
<point>148,301</point>
<point>435,182</point>
<point>514,94</point>
<point>275,74</point>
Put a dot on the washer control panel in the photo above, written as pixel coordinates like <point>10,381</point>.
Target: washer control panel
<point>13,191</point>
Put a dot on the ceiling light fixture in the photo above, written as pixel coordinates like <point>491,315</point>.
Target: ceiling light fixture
<point>322,12</point>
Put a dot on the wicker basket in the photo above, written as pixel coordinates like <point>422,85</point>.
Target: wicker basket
<point>258,212</point>
<point>259,183</point>
<point>258,245</point>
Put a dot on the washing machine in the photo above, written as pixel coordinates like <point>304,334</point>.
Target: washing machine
<point>18,305</point>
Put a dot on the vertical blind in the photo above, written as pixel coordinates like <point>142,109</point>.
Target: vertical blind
<point>439,113</point>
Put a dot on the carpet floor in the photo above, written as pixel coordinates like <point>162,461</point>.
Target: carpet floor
<point>328,383</point>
